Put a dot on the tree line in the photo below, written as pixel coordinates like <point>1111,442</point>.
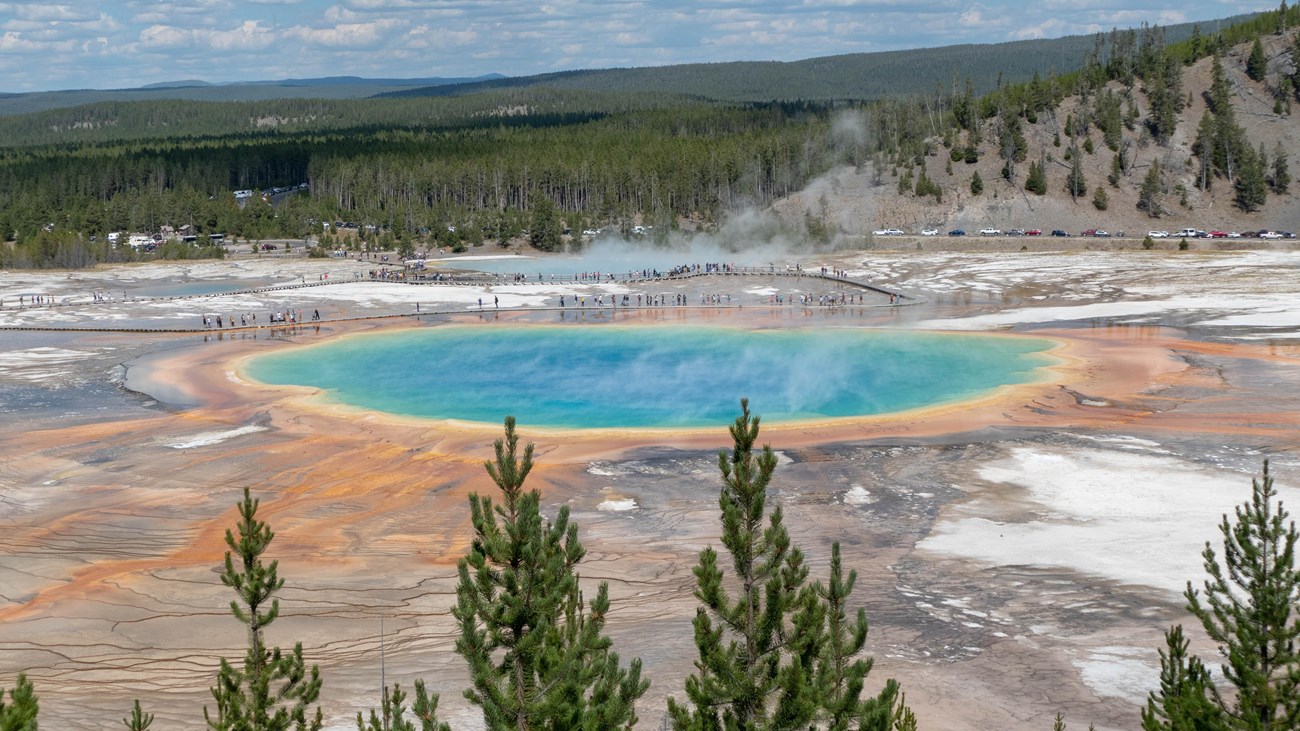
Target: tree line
<point>661,164</point>
<point>775,648</point>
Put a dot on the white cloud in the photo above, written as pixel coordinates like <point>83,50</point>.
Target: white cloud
<point>249,35</point>
<point>347,35</point>
<point>1051,26</point>
<point>12,42</point>
<point>339,14</point>
<point>426,37</point>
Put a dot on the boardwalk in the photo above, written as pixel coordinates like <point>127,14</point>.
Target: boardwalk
<point>444,278</point>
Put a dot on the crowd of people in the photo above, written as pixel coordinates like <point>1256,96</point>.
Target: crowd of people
<point>249,319</point>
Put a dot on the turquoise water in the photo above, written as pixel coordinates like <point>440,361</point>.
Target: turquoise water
<point>611,376</point>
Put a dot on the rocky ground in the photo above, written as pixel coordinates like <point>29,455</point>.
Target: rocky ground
<point>1017,558</point>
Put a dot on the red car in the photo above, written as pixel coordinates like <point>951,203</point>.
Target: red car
<point>1089,232</point>
<point>1218,234</point>
<point>1034,232</point>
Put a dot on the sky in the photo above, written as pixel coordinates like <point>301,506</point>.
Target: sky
<point>108,44</point>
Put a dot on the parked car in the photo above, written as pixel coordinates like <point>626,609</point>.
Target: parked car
<point>1234,235</point>
<point>930,232</point>
<point>1034,232</point>
<point>1158,234</point>
<point>1251,234</point>
<point>1216,234</point>
<point>1089,232</point>
<point>888,232</point>
<point>1098,233</point>
<point>1270,235</point>
<point>957,232</point>
<point>1016,232</point>
<point>1287,234</point>
<point>990,232</point>
<point>1058,232</point>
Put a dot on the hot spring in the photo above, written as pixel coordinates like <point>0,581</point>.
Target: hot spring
<point>612,376</point>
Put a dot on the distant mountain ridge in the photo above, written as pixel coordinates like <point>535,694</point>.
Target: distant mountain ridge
<point>329,87</point>
<point>341,80</point>
<point>859,76</point>
<point>867,76</point>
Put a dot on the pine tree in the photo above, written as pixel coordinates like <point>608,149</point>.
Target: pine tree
<point>780,654</point>
<point>1221,137</point>
<point>976,184</point>
<point>392,716</point>
<point>537,658</point>
<point>139,720</point>
<point>1100,200</point>
<point>1250,611</point>
<point>842,670</point>
<point>1183,702</point>
<point>1295,65</point>
<point>1149,195</point>
<point>1075,184</point>
<point>20,713</point>
<point>1257,64</point>
<point>751,675</point>
<point>1036,181</point>
<point>1280,180</point>
<point>1116,170</point>
<point>1204,149</point>
<point>1220,98</point>
<point>1251,185</point>
<point>273,690</point>
<point>545,229</point>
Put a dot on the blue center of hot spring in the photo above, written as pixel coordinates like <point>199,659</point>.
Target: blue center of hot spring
<point>636,377</point>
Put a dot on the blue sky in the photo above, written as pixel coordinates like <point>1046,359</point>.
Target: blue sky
<point>125,43</point>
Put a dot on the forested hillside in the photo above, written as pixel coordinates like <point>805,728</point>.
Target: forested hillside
<point>496,164</point>
<point>1197,133</point>
<point>179,123</point>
